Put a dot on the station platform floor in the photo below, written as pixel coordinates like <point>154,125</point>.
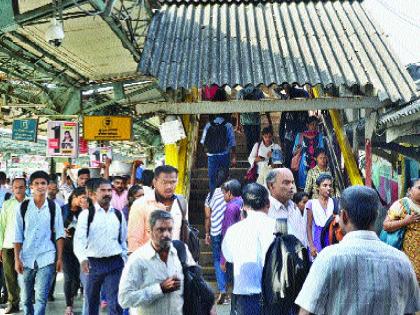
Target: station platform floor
<point>58,306</point>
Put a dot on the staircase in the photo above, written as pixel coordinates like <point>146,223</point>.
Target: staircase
<point>200,189</point>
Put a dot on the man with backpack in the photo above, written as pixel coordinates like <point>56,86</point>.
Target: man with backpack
<point>164,198</point>
<point>245,246</point>
<point>219,141</point>
<point>38,244</point>
<point>154,282</point>
<point>101,248</point>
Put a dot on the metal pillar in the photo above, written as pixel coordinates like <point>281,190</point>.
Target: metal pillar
<point>349,159</point>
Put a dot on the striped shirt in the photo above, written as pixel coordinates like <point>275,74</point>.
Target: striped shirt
<point>217,205</point>
<point>360,275</point>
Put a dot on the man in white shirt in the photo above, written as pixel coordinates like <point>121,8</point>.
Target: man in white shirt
<point>361,274</point>
<point>281,184</point>
<point>152,281</point>
<point>245,245</point>
<point>101,248</point>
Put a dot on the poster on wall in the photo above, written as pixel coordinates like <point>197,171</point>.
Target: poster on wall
<point>99,155</point>
<point>62,139</point>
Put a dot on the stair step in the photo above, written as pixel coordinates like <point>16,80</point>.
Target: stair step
<point>202,173</point>
<point>206,259</point>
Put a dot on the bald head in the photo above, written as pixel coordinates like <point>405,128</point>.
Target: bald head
<point>281,184</point>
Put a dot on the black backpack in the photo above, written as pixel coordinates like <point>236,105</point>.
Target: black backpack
<point>198,295</point>
<point>216,140</point>
<point>51,206</point>
<point>285,269</point>
<point>189,234</point>
<point>91,216</point>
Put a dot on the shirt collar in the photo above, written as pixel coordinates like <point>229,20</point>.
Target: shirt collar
<point>361,235</point>
<point>160,199</point>
<point>99,208</point>
<point>256,214</point>
<point>45,205</point>
<point>277,204</point>
<point>150,252</point>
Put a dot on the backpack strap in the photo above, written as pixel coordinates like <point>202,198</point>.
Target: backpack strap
<point>119,217</point>
<point>90,219</point>
<point>181,251</point>
<point>7,196</point>
<point>51,206</point>
<point>182,203</point>
<point>23,209</point>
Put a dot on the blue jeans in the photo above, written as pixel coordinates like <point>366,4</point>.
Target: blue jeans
<point>246,304</point>
<point>216,162</point>
<point>216,248</point>
<point>104,273</point>
<point>40,280</point>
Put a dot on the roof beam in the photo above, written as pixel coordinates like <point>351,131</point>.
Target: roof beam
<point>45,11</point>
<point>208,107</point>
<point>116,27</point>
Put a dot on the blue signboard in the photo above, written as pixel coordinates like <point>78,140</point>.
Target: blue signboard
<point>25,129</point>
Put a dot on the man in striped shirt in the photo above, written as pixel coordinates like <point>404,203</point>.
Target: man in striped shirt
<point>361,274</point>
<point>214,208</point>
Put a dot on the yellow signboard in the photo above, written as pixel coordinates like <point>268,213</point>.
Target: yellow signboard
<point>107,128</point>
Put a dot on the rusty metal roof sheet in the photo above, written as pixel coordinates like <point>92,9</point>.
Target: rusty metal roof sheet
<point>320,42</point>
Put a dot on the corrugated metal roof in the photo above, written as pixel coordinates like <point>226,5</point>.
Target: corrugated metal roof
<point>326,42</point>
<point>394,117</point>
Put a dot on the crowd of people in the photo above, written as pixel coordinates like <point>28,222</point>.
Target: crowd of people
<point>286,242</point>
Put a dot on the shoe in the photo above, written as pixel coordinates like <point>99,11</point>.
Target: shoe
<point>51,298</point>
<point>11,309</point>
<point>223,299</point>
<point>69,311</point>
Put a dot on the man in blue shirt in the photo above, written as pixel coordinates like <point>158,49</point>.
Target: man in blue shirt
<point>35,251</point>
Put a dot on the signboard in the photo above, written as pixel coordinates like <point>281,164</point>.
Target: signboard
<point>99,155</point>
<point>107,128</point>
<point>172,131</point>
<point>62,138</point>
<point>25,129</point>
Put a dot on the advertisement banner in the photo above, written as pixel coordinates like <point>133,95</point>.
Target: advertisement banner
<point>99,155</point>
<point>25,129</point>
<point>62,139</point>
<point>101,128</point>
<point>83,146</point>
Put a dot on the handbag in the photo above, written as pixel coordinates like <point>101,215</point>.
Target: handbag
<point>395,239</point>
<point>252,174</point>
<point>294,164</point>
